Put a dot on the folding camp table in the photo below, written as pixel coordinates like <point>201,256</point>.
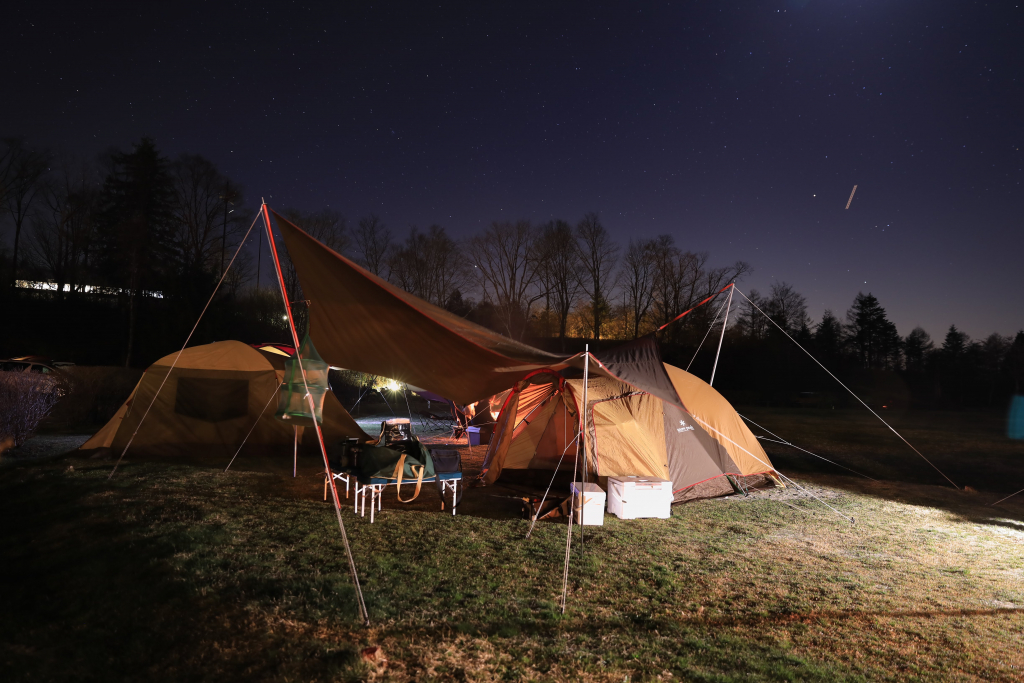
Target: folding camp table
<point>343,476</point>
<point>446,480</point>
<point>448,474</point>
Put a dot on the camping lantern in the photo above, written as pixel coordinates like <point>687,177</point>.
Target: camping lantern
<point>292,404</point>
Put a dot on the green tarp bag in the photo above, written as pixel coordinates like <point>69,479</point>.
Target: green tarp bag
<point>292,404</point>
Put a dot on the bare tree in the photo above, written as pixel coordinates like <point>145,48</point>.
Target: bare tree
<point>787,307</point>
<point>327,226</point>
<point>560,271</point>
<point>507,266</point>
<point>64,228</point>
<point>428,265</point>
<point>683,279</point>
<point>24,168</point>
<point>674,278</point>
<point>373,241</point>
<point>198,224</point>
<point>231,200</point>
<point>598,254</point>
<point>751,322</point>
<point>639,268</point>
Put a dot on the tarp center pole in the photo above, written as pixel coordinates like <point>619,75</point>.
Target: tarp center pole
<point>725,324</point>
<point>312,411</point>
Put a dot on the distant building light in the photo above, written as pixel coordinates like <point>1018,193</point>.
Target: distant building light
<point>51,286</point>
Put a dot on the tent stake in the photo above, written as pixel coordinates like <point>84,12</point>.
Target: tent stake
<point>725,322</point>
<point>312,410</point>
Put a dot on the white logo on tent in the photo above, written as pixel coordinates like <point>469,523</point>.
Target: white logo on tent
<point>684,427</point>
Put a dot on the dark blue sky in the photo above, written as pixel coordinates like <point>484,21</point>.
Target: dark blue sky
<point>740,129</point>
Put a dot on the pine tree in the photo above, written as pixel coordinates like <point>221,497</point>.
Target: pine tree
<point>135,227</point>
<point>872,337</point>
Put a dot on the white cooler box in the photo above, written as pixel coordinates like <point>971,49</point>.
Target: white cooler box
<point>636,497</point>
<point>592,507</point>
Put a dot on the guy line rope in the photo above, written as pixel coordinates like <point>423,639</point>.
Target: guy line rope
<point>847,389</point>
<point>187,339</point>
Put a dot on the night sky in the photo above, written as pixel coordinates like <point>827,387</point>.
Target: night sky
<point>740,129</point>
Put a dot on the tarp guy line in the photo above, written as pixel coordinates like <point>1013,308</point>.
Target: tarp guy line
<point>258,418</point>
<point>725,323</point>
<point>164,381</point>
<point>848,389</point>
<point>786,443</point>
<point>771,468</point>
<point>312,410</point>
<point>706,335</point>
<point>1008,497</point>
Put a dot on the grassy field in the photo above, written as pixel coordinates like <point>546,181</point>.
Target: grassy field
<point>180,572</point>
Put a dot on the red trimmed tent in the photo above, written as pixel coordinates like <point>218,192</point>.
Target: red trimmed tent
<point>631,432</point>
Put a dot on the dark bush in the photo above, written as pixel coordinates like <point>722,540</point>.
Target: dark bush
<point>25,399</point>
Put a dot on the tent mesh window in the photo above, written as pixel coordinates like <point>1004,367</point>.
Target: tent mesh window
<point>292,404</point>
<point>212,399</point>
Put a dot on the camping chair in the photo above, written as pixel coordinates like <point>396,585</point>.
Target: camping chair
<point>434,422</point>
<point>447,475</point>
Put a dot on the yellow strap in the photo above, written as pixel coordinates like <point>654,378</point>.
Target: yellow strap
<point>419,480</point>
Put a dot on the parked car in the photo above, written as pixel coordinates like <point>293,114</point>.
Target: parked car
<point>38,364</point>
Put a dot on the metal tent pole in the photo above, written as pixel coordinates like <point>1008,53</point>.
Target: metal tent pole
<point>572,506</point>
<point>312,410</point>
<point>725,323</point>
<point>295,462</point>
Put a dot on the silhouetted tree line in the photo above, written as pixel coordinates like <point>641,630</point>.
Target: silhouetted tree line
<point>129,249</point>
<point>864,351</point>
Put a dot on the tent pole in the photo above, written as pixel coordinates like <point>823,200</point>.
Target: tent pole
<point>725,322</point>
<point>586,399</point>
<point>572,506</point>
<point>295,461</point>
<point>312,410</point>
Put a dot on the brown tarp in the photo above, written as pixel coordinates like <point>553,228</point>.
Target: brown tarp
<point>213,397</point>
<point>362,322</point>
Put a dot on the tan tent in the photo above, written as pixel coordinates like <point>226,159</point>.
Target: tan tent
<point>631,432</point>
<point>214,396</point>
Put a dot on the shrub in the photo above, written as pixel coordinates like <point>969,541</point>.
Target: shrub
<point>25,399</point>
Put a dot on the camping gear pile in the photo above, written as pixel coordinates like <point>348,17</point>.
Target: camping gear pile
<point>397,458</point>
